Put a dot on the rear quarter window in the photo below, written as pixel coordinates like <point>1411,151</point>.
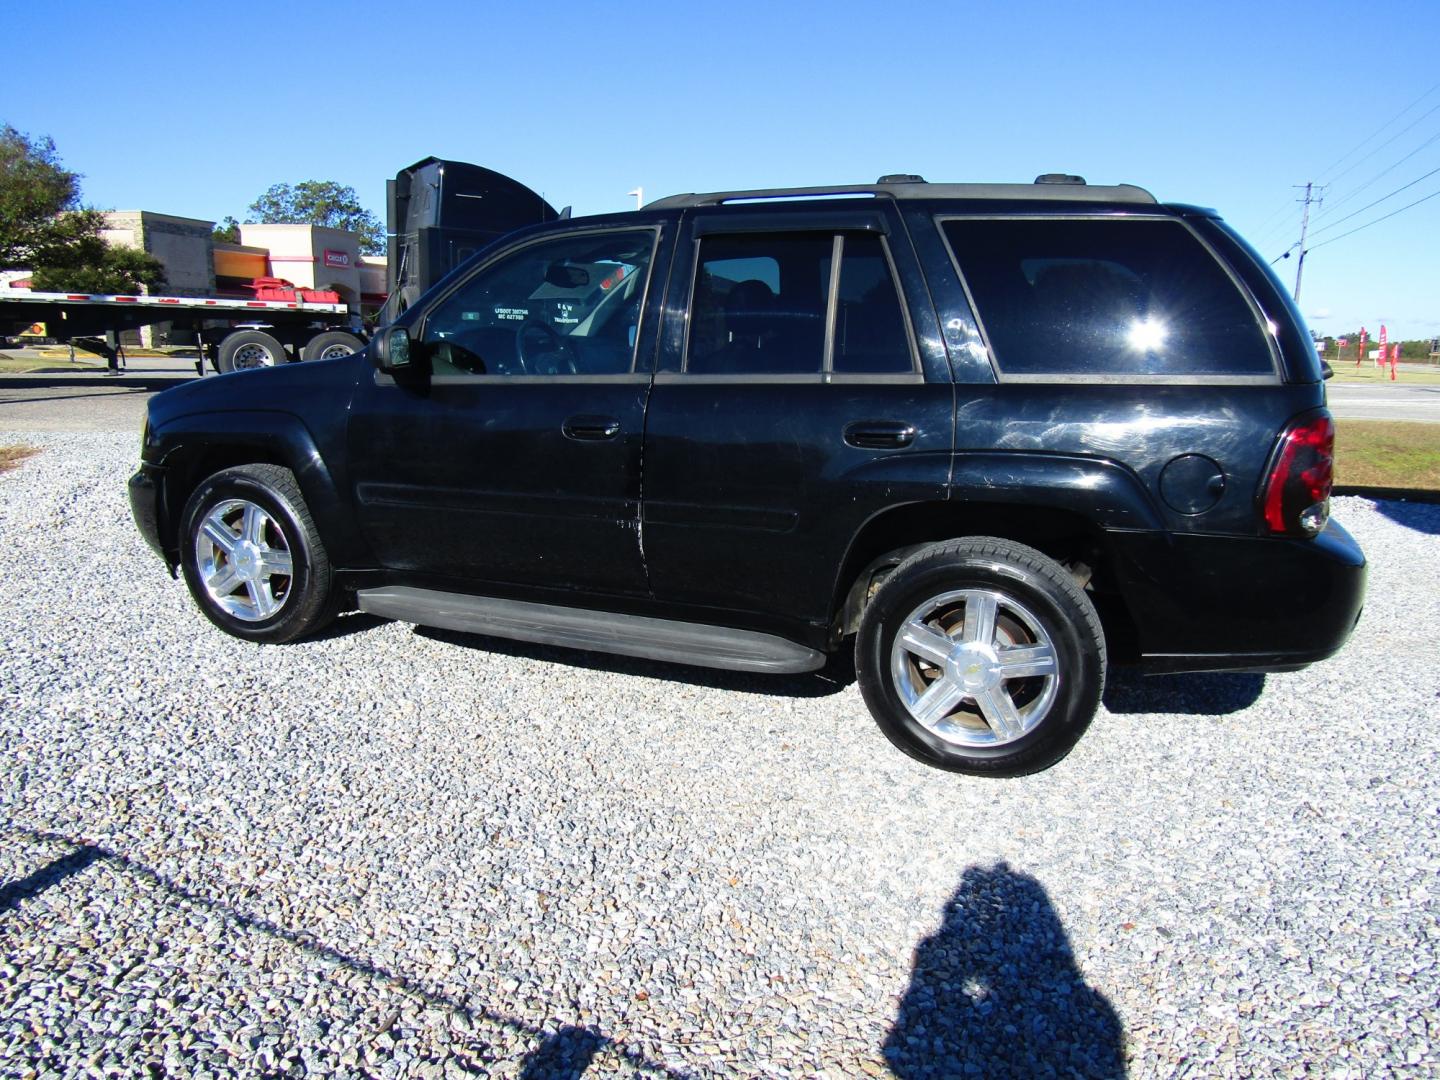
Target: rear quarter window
<point>1114,297</point>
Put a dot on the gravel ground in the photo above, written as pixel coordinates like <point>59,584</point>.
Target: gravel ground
<point>414,853</point>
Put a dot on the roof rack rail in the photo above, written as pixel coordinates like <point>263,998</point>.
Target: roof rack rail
<point>715,198</point>
<point>908,186</point>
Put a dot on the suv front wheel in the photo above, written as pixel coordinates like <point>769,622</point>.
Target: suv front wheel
<point>981,656</point>
<point>252,556</point>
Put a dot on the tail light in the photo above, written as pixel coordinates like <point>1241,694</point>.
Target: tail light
<point>1296,495</point>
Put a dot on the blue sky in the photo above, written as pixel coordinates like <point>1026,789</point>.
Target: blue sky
<point>195,109</point>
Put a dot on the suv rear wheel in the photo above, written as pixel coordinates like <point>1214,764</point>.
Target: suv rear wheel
<point>981,656</point>
<point>252,556</point>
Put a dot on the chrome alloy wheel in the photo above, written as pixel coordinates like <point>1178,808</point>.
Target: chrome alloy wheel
<point>244,560</point>
<point>975,667</point>
<point>333,352</point>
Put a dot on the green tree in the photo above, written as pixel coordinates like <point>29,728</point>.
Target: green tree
<point>44,227</point>
<point>321,202</point>
<point>34,188</point>
<point>227,232</point>
<point>93,266</point>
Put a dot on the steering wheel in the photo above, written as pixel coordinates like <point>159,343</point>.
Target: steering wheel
<point>537,338</point>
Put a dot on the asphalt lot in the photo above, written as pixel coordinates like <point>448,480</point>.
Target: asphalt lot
<point>85,399</point>
<point>400,852</point>
<point>1395,401</point>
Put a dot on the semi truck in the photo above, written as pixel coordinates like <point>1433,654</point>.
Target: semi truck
<point>438,214</point>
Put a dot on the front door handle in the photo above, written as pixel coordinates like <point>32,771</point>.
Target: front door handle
<point>879,434</point>
<point>591,428</point>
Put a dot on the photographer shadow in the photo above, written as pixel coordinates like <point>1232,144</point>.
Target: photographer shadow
<point>995,992</point>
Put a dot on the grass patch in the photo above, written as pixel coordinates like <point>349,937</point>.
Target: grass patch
<point>1388,454</point>
<point>12,456</point>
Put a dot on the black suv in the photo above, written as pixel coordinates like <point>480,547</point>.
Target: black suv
<point>995,436</point>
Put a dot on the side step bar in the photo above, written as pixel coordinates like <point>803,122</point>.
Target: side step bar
<point>601,631</point>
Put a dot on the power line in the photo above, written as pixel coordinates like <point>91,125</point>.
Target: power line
<point>1288,204</point>
<point>1358,146</point>
<point>1377,202</point>
<point>1284,254</point>
<point>1309,187</point>
<point>1386,143</point>
<point>1386,217</point>
<point>1262,234</point>
<point>1262,239</point>
<point>1383,172</point>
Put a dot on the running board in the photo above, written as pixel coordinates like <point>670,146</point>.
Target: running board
<point>600,631</point>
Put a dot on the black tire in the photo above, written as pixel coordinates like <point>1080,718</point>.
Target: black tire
<point>1043,631</point>
<point>331,344</point>
<point>246,349</point>
<point>240,583</point>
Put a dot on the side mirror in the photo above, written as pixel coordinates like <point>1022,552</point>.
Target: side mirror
<point>391,350</point>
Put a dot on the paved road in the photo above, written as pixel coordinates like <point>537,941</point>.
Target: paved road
<point>86,399</point>
<point>1395,401</point>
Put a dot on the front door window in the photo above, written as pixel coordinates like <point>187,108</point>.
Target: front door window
<point>560,307</point>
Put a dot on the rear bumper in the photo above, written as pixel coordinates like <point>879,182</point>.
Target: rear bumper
<point>1241,603</point>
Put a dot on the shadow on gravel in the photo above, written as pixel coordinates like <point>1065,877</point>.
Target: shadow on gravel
<point>995,992</point>
<point>1206,694</point>
<point>563,1056</point>
<point>70,397</point>
<point>13,892</point>
<point>1422,517</point>
<point>352,622</point>
<point>94,378</point>
<point>563,1053</point>
<point>145,383</point>
<point>835,676</point>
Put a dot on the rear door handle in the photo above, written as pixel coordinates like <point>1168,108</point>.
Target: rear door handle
<point>591,428</point>
<point>879,434</point>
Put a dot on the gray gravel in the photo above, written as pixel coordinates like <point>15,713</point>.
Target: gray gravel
<point>411,853</point>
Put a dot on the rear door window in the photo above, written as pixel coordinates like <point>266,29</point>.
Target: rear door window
<point>763,301</point>
<point>759,306</point>
<point>870,333</point>
<point>1106,298</point>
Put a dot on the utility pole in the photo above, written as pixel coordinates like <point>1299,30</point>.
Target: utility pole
<point>1310,197</point>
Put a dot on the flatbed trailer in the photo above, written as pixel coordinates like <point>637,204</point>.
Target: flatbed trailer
<point>440,213</point>
<point>232,333</point>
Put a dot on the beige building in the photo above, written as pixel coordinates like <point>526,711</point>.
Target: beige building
<point>311,256</point>
<point>183,246</point>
